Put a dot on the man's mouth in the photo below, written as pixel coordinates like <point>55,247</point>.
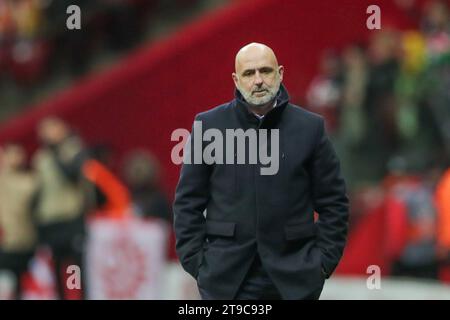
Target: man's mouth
<point>260,92</point>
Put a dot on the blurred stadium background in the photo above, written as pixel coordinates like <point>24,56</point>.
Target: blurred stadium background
<point>112,93</point>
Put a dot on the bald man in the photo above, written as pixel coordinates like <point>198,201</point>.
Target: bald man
<point>243,234</point>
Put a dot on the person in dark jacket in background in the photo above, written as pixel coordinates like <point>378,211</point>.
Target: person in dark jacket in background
<point>141,173</point>
<point>63,198</point>
<point>246,233</point>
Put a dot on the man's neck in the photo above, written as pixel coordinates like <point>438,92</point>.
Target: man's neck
<point>262,110</point>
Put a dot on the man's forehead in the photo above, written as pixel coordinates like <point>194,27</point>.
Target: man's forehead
<point>255,57</point>
<point>255,65</point>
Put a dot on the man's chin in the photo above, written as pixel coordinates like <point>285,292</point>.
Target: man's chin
<point>259,102</point>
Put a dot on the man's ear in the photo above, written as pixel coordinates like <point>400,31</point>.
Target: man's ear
<point>235,79</point>
<point>281,72</point>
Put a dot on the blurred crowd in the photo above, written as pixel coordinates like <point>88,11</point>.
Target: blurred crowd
<point>34,32</point>
<point>37,49</point>
<point>48,201</point>
<point>386,105</point>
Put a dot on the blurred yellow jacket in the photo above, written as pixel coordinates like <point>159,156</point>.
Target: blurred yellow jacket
<point>16,226</point>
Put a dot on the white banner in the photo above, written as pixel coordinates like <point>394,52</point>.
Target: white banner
<point>126,259</point>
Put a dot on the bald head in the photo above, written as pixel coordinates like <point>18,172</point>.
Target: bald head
<point>257,74</point>
<point>254,52</point>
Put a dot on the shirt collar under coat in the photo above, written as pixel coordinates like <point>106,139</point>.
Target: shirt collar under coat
<point>272,117</point>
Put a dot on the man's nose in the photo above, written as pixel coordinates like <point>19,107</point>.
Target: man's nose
<point>258,79</point>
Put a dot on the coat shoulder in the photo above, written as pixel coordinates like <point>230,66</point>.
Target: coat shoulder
<point>218,113</point>
<point>298,111</point>
<point>306,117</point>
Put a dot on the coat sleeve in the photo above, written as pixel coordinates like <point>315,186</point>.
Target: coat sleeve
<point>191,198</point>
<point>330,201</point>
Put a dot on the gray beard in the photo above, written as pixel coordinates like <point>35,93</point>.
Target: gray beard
<point>262,101</point>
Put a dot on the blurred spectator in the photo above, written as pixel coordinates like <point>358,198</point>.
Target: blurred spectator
<point>411,224</point>
<point>413,121</point>
<point>435,101</point>
<point>352,121</point>
<point>353,95</point>
<point>112,196</point>
<point>17,230</point>
<point>436,27</point>
<point>27,52</point>
<point>62,197</point>
<point>141,173</point>
<point>381,139</point>
<point>6,30</point>
<point>6,20</point>
<point>324,93</point>
<point>412,64</point>
<point>28,17</point>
